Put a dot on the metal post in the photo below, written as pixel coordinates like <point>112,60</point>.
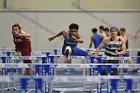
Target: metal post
<point>5,3</point>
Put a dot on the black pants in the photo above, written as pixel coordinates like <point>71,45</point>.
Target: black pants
<point>138,54</point>
<point>114,71</point>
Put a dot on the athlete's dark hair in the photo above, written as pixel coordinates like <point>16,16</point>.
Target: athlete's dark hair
<point>16,25</point>
<point>94,30</point>
<point>122,29</point>
<point>106,29</point>
<point>101,27</point>
<point>73,25</point>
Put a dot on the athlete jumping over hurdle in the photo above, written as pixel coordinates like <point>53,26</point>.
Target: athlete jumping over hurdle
<point>115,46</point>
<point>71,39</point>
<point>22,44</point>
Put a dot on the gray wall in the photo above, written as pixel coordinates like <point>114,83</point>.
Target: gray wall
<point>71,4</point>
<point>42,25</point>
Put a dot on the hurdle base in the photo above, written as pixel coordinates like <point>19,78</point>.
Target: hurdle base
<point>87,90</point>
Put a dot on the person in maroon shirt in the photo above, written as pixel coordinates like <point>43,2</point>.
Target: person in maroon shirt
<point>22,43</point>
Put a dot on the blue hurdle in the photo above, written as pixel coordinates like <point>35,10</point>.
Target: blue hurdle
<point>9,56</point>
<point>113,81</point>
<point>49,70</point>
<point>38,81</point>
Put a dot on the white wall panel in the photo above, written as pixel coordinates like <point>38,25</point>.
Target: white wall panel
<point>111,4</point>
<point>1,4</point>
<point>41,4</point>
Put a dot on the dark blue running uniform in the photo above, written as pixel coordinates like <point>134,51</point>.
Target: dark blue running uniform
<point>97,40</point>
<point>73,44</point>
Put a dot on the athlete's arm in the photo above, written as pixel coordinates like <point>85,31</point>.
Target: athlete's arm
<point>78,38</point>
<point>123,48</point>
<point>91,41</point>
<point>103,35</point>
<point>22,34</point>
<point>101,45</point>
<point>125,39</point>
<point>57,35</point>
<point>137,35</point>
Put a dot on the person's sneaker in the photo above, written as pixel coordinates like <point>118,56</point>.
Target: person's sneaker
<point>67,53</point>
<point>67,58</point>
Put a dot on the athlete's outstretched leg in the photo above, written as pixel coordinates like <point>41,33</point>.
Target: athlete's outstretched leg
<point>67,54</point>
